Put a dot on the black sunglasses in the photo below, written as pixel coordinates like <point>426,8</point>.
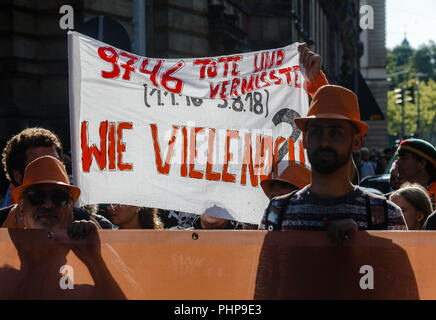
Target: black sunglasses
<point>58,197</point>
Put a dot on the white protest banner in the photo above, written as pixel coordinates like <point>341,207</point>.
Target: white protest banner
<point>195,135</point>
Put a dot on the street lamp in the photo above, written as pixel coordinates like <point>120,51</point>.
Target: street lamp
<point>418,124</point>
<point>399,96</point>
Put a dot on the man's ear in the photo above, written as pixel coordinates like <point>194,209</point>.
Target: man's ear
<point>420,216</point>
<point>422,164</point>
<point>18,176</point>
<point>357,142</point>
<point>19,213</point>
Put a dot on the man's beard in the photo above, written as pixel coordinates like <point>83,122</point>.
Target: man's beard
<point>406,175</point>
<point>47,217</point>
<point>330,164</point>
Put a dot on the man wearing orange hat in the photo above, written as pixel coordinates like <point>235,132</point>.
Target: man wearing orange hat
<point>332,130</point>
<point>45,200</point>
<point>26,146</point>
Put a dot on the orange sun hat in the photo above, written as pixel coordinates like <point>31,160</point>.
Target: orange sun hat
<point>334,102</point>
<point>291,172</point>
<point>45,170</point>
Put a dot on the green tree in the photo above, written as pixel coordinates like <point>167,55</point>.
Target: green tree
<point>399,64</point>
<point>403,54</point>
<point>424,60</point>
<point>406,65</point>
<point>427,112</point>
<point>391,61</point>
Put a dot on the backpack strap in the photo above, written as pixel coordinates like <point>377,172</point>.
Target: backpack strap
<point>368,211</point>
<point>274,218</point>
<point>385,209</point>
<point>377,213</point>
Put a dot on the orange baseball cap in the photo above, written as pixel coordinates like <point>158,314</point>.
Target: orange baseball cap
<point>334,102</point>
<point>294,173</point>
<point>45,170</point>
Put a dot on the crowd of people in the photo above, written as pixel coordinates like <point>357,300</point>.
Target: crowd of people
<point>326,196</point>
<point>373,162</point>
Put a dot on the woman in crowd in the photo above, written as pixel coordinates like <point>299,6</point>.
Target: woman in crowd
<point>415,204</point>
<point>133,217</point>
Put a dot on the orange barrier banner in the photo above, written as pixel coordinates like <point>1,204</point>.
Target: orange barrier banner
<point>221,265</point>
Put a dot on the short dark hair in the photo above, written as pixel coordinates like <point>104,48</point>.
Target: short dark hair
<point>14,153</point>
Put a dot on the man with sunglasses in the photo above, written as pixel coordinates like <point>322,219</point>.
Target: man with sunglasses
<point>45,200</point>
<point>26,146</point>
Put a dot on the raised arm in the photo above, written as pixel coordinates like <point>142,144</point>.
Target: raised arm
<point>311,62</point>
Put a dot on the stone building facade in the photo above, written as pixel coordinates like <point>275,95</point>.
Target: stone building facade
<point>33,54</point>
<point>373,69</point>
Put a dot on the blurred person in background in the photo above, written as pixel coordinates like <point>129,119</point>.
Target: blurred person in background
<point>382,164</point>
<point>389,153</point>
<point>209,222</point>
<point>373,156</point>
<point>133,217</point>
<point>366,166</point>
<point>417,164</point>
<point>414,203</point>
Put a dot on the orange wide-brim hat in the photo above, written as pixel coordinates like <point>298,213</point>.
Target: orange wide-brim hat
<point>294,173</point>
<point>45,170</point>
<point>334,102</point>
